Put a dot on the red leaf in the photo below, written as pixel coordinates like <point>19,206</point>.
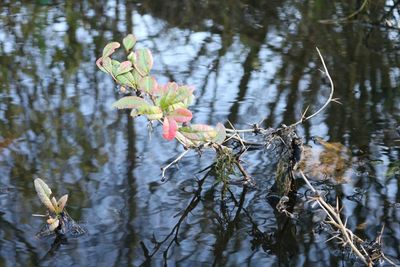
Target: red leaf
<point>181,115</point>
<point>169,128</point>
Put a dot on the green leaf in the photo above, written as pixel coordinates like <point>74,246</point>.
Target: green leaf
<point>136,76</point>
<point>199,133</point>
<point>187,93</point>
<point>55,205</point>
<point>147,84</point>
<point>129,102</point>
<point>175,97</point>
<point>122,68</point>
<point>127,79</point>
<point>129,42</point>
<point>221,134</point>
<point>150,111</point>
<point>139,106</point>
<point>144,61</point>
<point>43,191</point>
<point>181,115</point>
<point>187,142</point>
<point>61,202</point>
<point>99,63</point>
<point>110,48</point>
<point>107,64</point>
<point>132,57</point>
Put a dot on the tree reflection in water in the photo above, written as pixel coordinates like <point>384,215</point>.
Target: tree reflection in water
<point>250,61</point>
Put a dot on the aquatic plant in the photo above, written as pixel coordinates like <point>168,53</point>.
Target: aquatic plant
<point>166,104</point>
<point>56,207</point>
<point>58,220</point>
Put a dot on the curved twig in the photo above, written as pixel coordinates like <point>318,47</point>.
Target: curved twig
<point>329,100</point>
<point>165,168</point>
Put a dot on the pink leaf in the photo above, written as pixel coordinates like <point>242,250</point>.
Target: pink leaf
<point>169,128</point>
<point>181,115</point>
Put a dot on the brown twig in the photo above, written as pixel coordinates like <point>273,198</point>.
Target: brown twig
<point>347,236</point>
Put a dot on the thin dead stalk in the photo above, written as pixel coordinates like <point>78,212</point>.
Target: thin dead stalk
<point>347,236</point>
<point>329,100</point>
<point>165,168</point>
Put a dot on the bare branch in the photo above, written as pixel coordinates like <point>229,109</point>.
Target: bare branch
<point>347,236</point>
<point>164,169</point>
<point>330,99</point>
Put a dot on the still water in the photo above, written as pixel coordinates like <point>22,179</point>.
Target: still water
<point>250,62</point>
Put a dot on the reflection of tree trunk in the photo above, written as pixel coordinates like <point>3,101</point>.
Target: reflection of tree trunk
<point>247,69</point>
<point>130,240</point>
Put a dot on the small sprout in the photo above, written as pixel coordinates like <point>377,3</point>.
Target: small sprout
<point>61,202</point>
<point>51,220</point>
<point>53,226</point>
<point>44,193</point>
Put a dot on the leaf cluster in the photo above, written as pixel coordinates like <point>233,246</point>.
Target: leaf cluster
<point>165,103</point>
<point>56,207</point>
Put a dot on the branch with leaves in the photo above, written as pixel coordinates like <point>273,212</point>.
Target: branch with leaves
<point>168,104</point>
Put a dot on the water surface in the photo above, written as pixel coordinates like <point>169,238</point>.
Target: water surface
<point>250,62</point>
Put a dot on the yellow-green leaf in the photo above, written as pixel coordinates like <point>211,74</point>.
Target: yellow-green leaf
<point>110,48</point>
<point>61,202</point>
<point>127,79</point>
<point>199,133</point>
<point>147,84</point>
<point>129,42</point>
<point>55,205</point>
<point>144,61</point>
<point>122,68</point>
<point>43,191</point>
<point>221,134</point>
<point>129,102</point>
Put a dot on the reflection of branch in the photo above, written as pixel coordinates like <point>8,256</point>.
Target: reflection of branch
<point>226,234</point>
<point>329,21</point>
<point>175,230</point>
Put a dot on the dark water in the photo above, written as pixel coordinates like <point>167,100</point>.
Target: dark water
<point>250,61</point>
